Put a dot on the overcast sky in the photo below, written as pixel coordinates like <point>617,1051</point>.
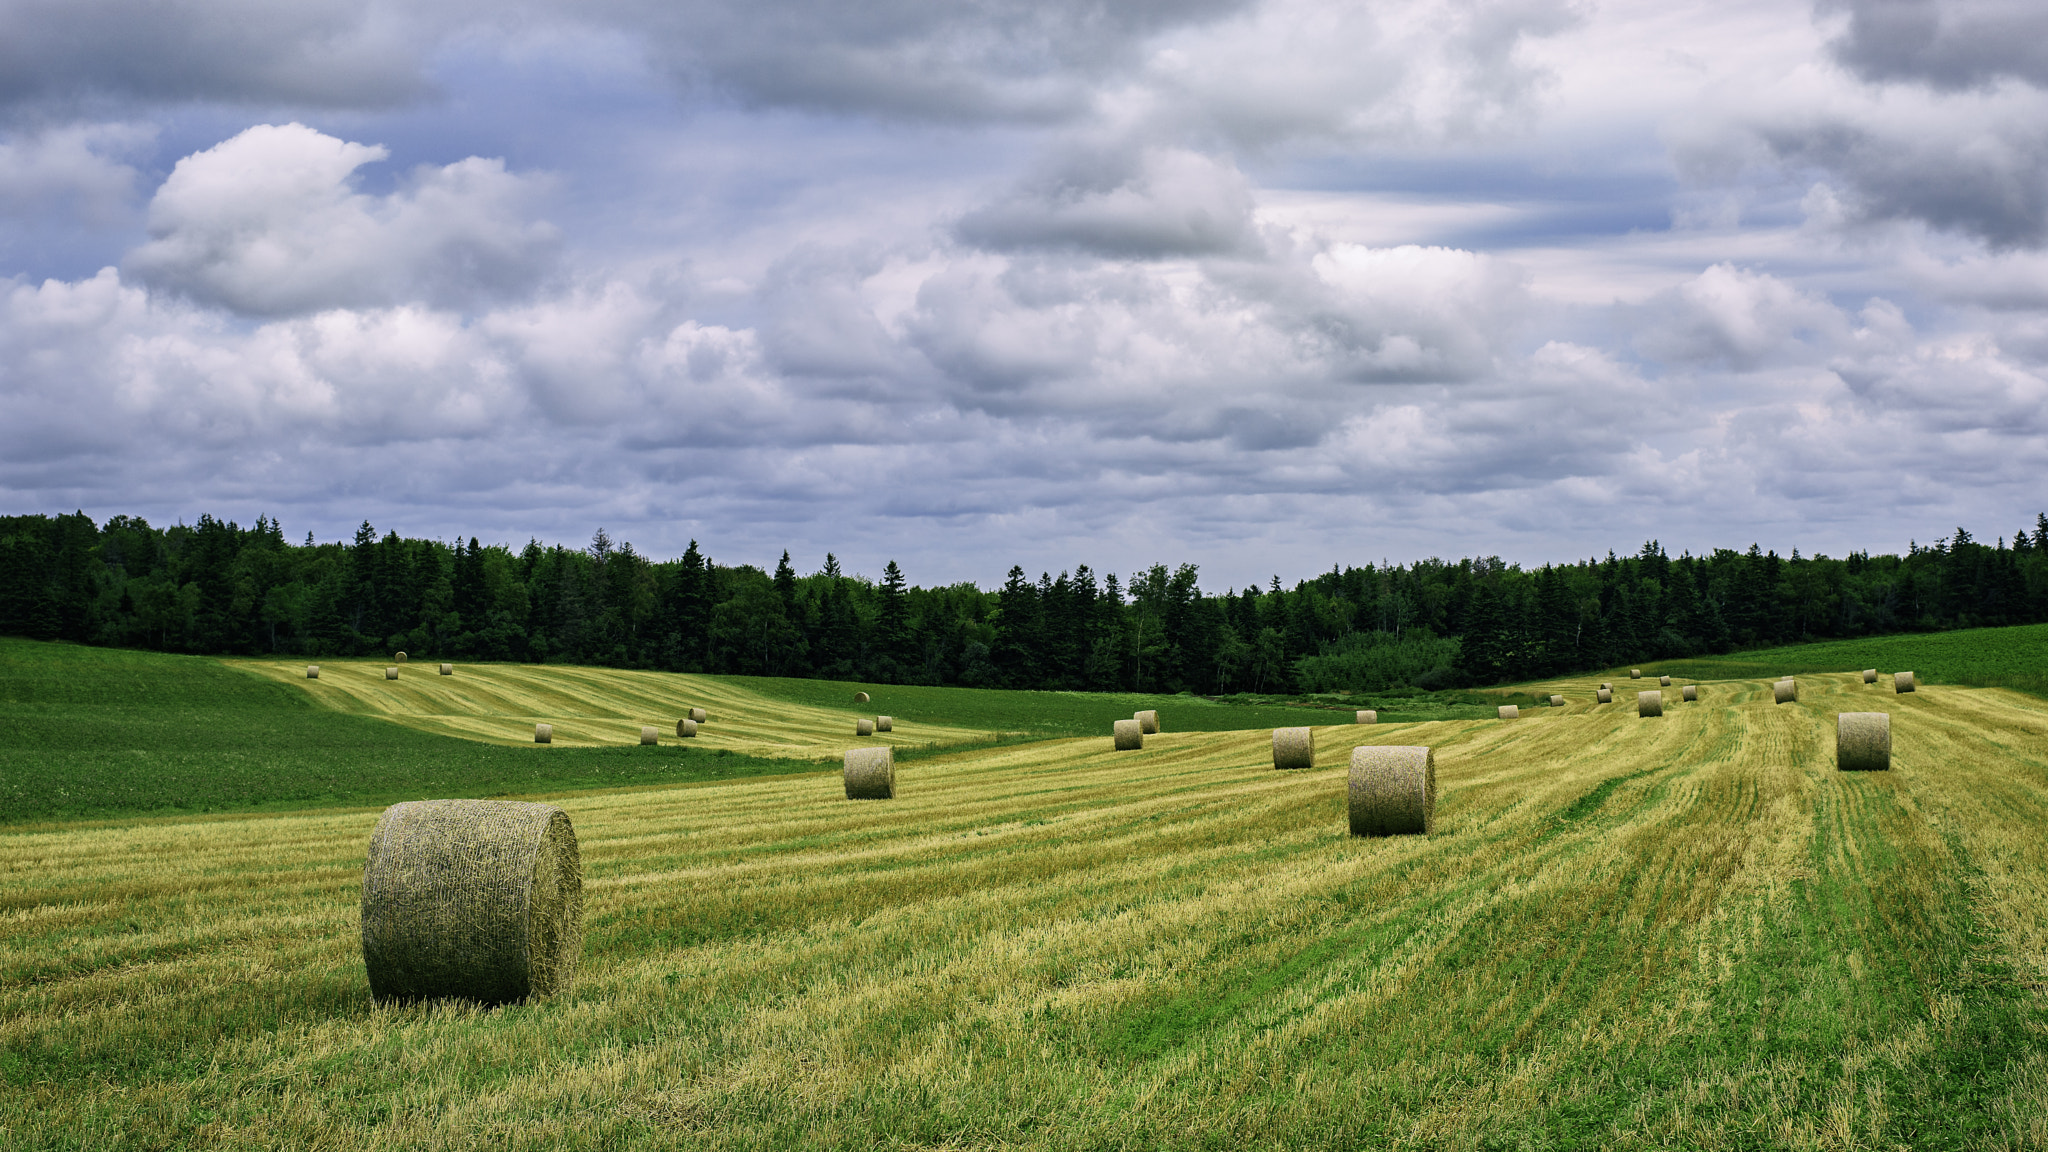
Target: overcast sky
<point>1263,285</point>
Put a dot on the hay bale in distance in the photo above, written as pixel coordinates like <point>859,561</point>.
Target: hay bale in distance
<point>1870,675</point>
<point>447,669</point>
<point>312,671</point>
<point>860,697</point>
<point>1635,673</point>
<point>1785,692</point>
<point>1650,703</point>
<point>1368,716</point>
<point>1294,748</point>
<point>686,727</point>
<point>885,723</point>
<point>1902,682</point>
<point>398,658</point>
<point>391,673</point>
<point>1605,696</point>
<point>472,899</point>
<point>1606,685</point>
<point>543,733</point>
<point>870,774</point>
<point>649,734</point>
<point>1393,791</point>
<point>1557,701</point>
<point>699,715</point>
<point>1127,735</point>
<point>1664,681</point>
<point>1148,720</point>
<point>1510,712</point>
<point>1863,741</point>
<point>863,727</point>
<point>1689,693</point>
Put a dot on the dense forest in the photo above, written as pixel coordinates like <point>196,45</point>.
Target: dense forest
<point>216,587</point>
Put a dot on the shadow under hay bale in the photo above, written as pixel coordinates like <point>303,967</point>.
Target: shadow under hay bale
<point>1294,748</point>
<point>649,735</point>
<point>1863,741</point>
<point>1148,721</point>
<point>1127,736</point>
<point>472,899</point>
<point>1902,682</point>
<point>543,733</point>
<point>1393,791</point>
<point>1368,716</point>
<point>870,774</point>
<point>1785,692</point>
<point>1650,703</point>
<point>1510,712</point>
<point>686,727</point>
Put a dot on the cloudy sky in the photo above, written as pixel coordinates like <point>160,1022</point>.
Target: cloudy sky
<point>1264,285</point>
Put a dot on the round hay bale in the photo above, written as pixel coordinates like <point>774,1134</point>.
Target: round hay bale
<point>863,727</point>
<point>1664,681</point>
<point>1605,696</point>
<point>312,671</point>
<point>472,899</point>
<point>1635,673</point>
<point>686,727</point>
<point>649,735</point>
<point>1785,692</point>
<point>543,733</point>
<point>1863,741</point>
<point>1511,712</point>
<point>1689,693</point>
<point>1650,703</point>
<point>391,673</point>
<point>885,723</point>
<point>447,669</point>
<point>860,697</point>
<point>870,774</point>
<point>1393,791</point>
<point>1127,735</point>
<point>699,715</point>
<point>1557,701</point>
<point>1870,675</point>
<point>399,658</point>
<point>1368,716</point>
<point>1606,685</point>
<point>1294,748</point>
<point>1148,720</point>
<point>1902,682</point>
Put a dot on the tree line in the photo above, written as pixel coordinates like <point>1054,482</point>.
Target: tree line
<point>215,587</point>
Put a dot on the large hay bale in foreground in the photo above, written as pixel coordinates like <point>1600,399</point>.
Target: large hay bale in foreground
<point>391,673</point>
<point>1294,748</point>
<point>1148,721</point>
<point>1368,716</point>
<point>885,723</point>
<point>1650,703</point>
<point>472,899</point>
<point>399,658</point>
<point>543,733</point>
<point>649,734</point>
<point>447,669</point>
<point>1664,681</point>
<point>1557,701</point>
<point>312,671</point>
<point>860,697</point>
<point>1689,693</point>
<point>1605,696</point>
<point>1510,712</point>
<point>1863,741</point>
<point>1870,675</point>
<point>870,774</point>
<point>1393,791</point>
<point>1785,692</point>
<point>686,727</point>
<point>699,715</point>
<point>1902,682</point>
<point>1127,735</point>
<point>863,727</point>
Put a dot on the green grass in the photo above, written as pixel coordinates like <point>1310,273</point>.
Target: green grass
<point>2015,657</point>
<point>1043,714</point>
<point>108,732</point>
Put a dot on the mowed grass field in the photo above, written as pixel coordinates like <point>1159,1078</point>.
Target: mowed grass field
<point>1682,932</point>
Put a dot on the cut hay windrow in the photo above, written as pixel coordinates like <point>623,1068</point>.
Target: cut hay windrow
<point>1902,682</point>
<point>543,733</point>
<point>472,899</point>
<point>391,673</point>
<point>863,727</point>
<point>1148,721</point>
<point>686,727</point>
<point>699,715</point>
<point>1393,791</point>
<point>1605,696</point>
<point>1689,693</point>
<point>870,774</point>
<point>1870,675</point>
<point>885,723</point>
<point>1368,716</point>
<point>1650,703</point>
<point>1785,692</point>
<point>649,735</point>
<point>1127,736</point>
<point>1294,748</point>
<point>1863,741</point>
<point>1510,712</point>
<point>312,671</point>
<point>447,669</point>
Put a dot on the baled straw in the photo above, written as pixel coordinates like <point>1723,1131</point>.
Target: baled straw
<point>1902,682</point>
<point>1690,692</point>
<point>650,735</point>
<point>1393,791</point>
<point>398,658</point>
<point>391,673</point>
<point>699,715</point>
<point>870,774</point>
<point>1557,701</point>
<point>1785,692</point>
<point>1635,673</point>
<point>1605,696</point>
<point>1863,741</point>
<point>1127,735</point>
<point>1148,720</point>
<point>312,671</point>
<point>447,669</point>
<point>1511,712</point>
<point>885,723</point>
<point>1664,681</point>
<point>686,727</point>
<point>1368,716</point>
<point>1650,703</point>
<point>474,899</point>
<point>860,697</point>
<point>1870,675</point>
<point>863,727</point>
<point>543,733</point>
<point>1294,748</point>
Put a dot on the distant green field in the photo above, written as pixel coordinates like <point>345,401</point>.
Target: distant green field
<point>2014,657</point>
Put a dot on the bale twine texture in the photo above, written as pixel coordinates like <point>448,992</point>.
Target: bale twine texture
<point>860,697</point>
<point>1148,721</point>
<point>1605,696</point>
<point>475,899</point>
<point>1664,681</point>
<point>1393,791</point>
<point>399,658</point>
<point>447,669</point>
<point>699,715</point>
<point>1902,682</point>
<point>1557,701</point>
<point>1785,692</point>
<point>1689,693</point>
<point>543,733</point>
<point>1129,737</point>
<point>312,671</point>
<point>863,727</point>
<point>1368,716</point>
<point>1294,747</point>
<point>391,673</point>
<point>1863,741</point>
<point>686,727</point>
<point>1650,703</point>
<point>870,774</point>
<point>1870,675</point>
<point>885,723</point>
<point>1511,711</point>
<point>649,735</point>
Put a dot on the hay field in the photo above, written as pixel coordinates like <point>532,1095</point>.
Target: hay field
<point>590,707</point>
<point>1686,932</point>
